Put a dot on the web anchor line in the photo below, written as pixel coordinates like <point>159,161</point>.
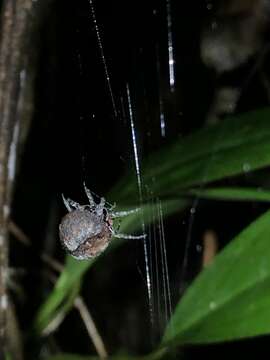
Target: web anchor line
<point>102,55</point>
<point>139,183</point>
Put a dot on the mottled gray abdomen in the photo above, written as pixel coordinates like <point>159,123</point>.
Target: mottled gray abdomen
<point>78,226</point>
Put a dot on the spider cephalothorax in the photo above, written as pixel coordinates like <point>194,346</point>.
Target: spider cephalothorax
<point>86,230</point>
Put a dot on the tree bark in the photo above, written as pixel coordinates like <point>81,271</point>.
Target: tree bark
<point>13,53</point>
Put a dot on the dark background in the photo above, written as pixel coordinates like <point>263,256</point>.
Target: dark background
<point>76,136</point>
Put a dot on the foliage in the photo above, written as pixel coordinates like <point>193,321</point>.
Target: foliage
<point>230,299</point>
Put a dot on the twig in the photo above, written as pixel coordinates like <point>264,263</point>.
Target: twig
<point>54,264</point>
<point>210,247</point>
<point>91,327</point>
<point>78,302</point>
<point>24,239</point>
<point>18,233</point>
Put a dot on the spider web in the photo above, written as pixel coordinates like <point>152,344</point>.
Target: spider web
<point>147,105</point>
<point>155,270</point>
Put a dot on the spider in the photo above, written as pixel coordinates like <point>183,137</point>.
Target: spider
<point>86,230</point>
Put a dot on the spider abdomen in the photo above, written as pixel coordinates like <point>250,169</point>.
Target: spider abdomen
<point>80,229</point>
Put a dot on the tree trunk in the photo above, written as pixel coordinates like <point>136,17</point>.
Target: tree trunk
<point>13,54</point>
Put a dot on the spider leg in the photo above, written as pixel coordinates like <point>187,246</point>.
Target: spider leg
<point>100,207</point>
<point>89,196</point>
<point>114,229</point>
<point>69,204</point>
<point>118,214</point>
<point>111,206</point>
<point>129,237</point>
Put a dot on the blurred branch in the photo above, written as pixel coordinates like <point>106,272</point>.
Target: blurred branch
<point>91,327</point>
<point>18,233</point>
<point>78,303</point>
<point>210,247</point>
<point>14,23</point>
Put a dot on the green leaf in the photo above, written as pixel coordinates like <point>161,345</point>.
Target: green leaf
<point>8,356</point>
<point>233,194</point>
<point>231,298</point>
<point>48,322</point>
<point>74,269</point>
<point>233,147</point>
<point>230,148</point>
<point>68,279</point>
